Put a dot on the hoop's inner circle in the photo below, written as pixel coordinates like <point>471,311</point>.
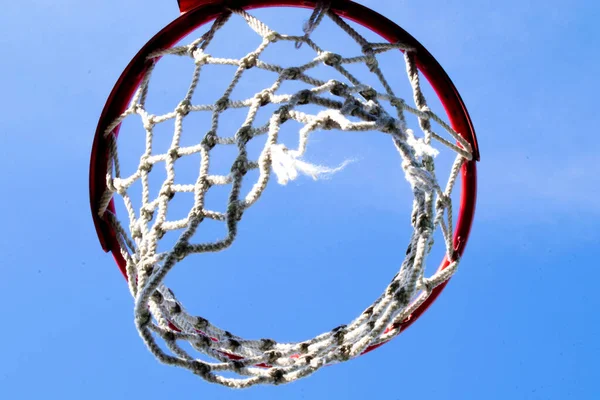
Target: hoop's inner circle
<point>184,166</point>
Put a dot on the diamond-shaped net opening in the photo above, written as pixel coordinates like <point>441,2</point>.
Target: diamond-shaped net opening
<point>155,240</point>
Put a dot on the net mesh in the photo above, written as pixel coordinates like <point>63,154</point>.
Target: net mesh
<point>349,106</point>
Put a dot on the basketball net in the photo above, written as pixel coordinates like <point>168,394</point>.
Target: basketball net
<point>350,106</point>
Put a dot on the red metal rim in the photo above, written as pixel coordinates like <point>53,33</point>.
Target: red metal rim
<point>196,13</point>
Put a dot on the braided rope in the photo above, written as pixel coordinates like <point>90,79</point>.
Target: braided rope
<point>157,311</point>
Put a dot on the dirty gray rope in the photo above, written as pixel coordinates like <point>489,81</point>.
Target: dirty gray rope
<point>157,310</point>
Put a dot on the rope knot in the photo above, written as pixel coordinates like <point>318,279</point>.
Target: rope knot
<point>222,104</point>
<point>200,57</point>
<point>264,97</point>
<point>167,191</point>
<point>110,184</point>
<point>351,105</point>
<point>210,140</point>
<point>201,368</point>
<point>385,123</point>
<point>115,185</point>
<point>243,135</point>
<point>331,59</point>
<point>303,96</point>
<point>136,232</point>
<point>173,153</point>
<point>145,164</point>
<point>291,73</point>
<point>338,88</point>
<point>372,63</point>
<point>147,213</point>
<point>328,123</point>
<point>397,102</point>
<point>368,93</point>
<point>249,61</point>
<point>272,37</point>
<point>183,108</point>
<point>149,122</point>
<point>283,114</point>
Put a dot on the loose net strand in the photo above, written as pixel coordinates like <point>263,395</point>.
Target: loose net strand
<point>158,313</point>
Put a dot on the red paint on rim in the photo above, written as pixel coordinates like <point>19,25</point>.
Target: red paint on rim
<point>196,13</point>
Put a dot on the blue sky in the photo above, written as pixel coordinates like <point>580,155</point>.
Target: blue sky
<point>518,321</point>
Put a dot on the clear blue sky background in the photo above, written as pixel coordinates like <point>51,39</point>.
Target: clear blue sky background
<point>519,321</point>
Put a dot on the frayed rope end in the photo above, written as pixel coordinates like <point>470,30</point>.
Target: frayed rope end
<point>287,165</point>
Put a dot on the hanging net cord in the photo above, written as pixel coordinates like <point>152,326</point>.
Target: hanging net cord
<point>158,314</point>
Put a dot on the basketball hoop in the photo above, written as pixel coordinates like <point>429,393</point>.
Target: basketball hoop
<point>345,104</point>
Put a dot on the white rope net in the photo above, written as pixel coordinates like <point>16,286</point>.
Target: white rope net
<point>346,106</point>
